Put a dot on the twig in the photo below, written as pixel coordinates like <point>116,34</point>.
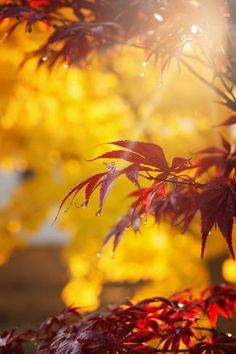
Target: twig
<point>229,102</point>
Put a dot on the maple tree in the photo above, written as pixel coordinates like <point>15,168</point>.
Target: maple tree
<point>175,191</point>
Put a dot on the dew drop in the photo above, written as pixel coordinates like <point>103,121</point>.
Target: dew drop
<point>142,74</point>
<point>99,255</point>
<point>158,17</point>
<point>229,334</point>
<point>45,58</point>
<point>110,166</point>
<point>98,213</point>
<point>195,29</point>
<point>144,64</point>
<point>180,305</point>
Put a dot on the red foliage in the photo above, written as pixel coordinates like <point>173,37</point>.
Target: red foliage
<point>175,192</point>
<point>153,325</point>
<point>99,25</point>
<point>39,3</point>
<point>12,342</point>
<point>219,300</point>
<point>218,344</point>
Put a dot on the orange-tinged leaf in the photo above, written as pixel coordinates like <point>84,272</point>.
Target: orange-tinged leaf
<point>230,121</point>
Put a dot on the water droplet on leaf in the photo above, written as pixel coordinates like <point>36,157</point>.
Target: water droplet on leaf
<point>229,334</point>
<point>110,166</point>
<point>180,305</point>
<point>158,17</point>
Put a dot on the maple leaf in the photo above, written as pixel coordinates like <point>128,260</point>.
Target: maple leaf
<point>151,154</point>
<point>174,337</point>
<point>230,121</point>
<point>148,197</point>
<point>219,344</point>
<point>12,342</point>
<point>139,153</point>
<point>132,218</point>
<point>218,300</point>
<point>105,181</point>
<point>185,307</point>
<point>222,159</point>
<point>218,202</point>
<point>180,164</point>
<point>179,206</point>
<point>39,3</point>
<point>90,183</point>
<point>50,326</point>
<point>142,156</point>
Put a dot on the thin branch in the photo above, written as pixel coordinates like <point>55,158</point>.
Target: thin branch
<point>229,102</point>
<point>183,182</point>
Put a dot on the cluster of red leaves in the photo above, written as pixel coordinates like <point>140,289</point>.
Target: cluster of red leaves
<point>177,191</point>
<point>99,24</point>
<point>163,325</point>
<point>81,28</point>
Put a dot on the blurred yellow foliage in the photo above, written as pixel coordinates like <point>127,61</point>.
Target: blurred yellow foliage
<point>229,270</point>
<point>50,122</point>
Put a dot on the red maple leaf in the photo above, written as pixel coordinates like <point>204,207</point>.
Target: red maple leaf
<point>218,300</point>
<point>222,159</point>
<point>229,121</point>
<point>218,207</point>
<point>39,3</point>
<point>219,344</point>
<point>174,337</point>
<point>139,153</point>
<point>13,342</point>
